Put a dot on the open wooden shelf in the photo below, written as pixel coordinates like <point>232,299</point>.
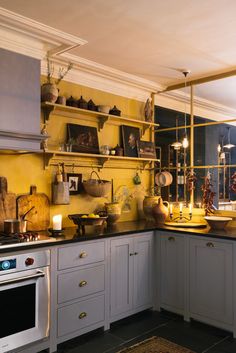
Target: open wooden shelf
<point>101,118</point>
<point>100,158</point>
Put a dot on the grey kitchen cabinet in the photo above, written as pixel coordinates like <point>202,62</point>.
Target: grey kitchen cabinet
<point>19,102</point>
<point>81,288</point>
<point>211,281</point>
<point>172,272</point>
<point>131,265</point>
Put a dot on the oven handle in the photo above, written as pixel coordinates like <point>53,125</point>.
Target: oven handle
<point>23,278</point>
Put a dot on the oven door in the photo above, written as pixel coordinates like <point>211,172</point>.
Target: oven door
<point>24,308</point>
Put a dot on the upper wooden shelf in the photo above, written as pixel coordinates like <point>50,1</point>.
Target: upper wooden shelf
<point>102,118</point>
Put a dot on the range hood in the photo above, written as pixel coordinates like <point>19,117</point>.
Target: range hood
<point>19,102</point>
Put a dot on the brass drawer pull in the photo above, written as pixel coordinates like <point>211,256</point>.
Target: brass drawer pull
<point>82,315</point>
<point>82,255</point>
<point>83,283</point>
<point>210,245</point>
<point>171,239</point>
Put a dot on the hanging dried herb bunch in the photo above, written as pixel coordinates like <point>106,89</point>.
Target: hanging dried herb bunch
<point>208,195</point>
<point>61,72</point>
<point>191,180</point>
<point>233,182</point>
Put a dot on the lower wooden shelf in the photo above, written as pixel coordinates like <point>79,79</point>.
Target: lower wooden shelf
<point>74,158</point>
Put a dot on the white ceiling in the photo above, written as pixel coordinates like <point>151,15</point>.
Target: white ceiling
<point>153,39</point>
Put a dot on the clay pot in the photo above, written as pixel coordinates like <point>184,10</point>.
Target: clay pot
<point>115,111</point>
<point>113,211</point>
<point>72,102</point>
<point>49,92</point>
<point>82,103</point>
<point>147,206</point>
<point>160,211</point>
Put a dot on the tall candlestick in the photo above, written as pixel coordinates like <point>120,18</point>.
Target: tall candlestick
<point>181,207</point>
<point>57,222</point>
<point>171,208</point>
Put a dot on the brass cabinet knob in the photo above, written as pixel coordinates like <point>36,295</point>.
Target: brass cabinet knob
<point>171,239</point>
<point>82,315</point>
<point>83,254</point>
<point>210,245</point>
<point>83,283</point>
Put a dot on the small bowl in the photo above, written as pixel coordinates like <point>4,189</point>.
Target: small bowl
<point>104,109</point>
<point>217,222</point>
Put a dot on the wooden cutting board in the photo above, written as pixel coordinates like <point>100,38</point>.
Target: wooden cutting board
<point>39,216</point>
<point>7,202</point>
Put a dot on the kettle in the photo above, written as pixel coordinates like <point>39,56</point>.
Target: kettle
<point>160,211</point>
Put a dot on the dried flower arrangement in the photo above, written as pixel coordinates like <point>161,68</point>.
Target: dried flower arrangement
<point>208,195</point>
<point>61,73</point>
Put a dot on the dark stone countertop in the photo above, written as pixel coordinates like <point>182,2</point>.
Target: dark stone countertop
<point>70,235</point>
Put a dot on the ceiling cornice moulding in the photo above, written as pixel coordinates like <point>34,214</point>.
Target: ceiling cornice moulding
<point>17,27</point>
<point>200,103</point>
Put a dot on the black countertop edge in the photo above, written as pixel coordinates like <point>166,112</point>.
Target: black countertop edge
<point>70,234</point>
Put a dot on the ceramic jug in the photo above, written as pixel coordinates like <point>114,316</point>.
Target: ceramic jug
<point>160,211</point>
<point>148,203</point>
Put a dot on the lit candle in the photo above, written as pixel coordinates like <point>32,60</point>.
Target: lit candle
<point>190,208</point>
<point>180,207</point>
<point>171,208</point>
<point>56,222</point>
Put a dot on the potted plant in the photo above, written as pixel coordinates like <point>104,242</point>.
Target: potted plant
<point>49,90</point>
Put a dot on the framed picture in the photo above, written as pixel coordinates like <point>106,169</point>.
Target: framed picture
<point>130,135</point>
<point>146,149</point>
<point>75,183</point>
<point>83,138</point>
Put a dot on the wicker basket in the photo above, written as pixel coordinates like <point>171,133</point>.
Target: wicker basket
<point>97,187</point>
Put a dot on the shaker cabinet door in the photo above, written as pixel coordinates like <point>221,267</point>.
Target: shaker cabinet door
<point>121,276</point>
<point>172,272</point>
<point>211,280</point>
<point>143,266</point>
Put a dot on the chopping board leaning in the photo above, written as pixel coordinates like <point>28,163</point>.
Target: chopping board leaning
<point>7,203</point>
<point>37,204</point>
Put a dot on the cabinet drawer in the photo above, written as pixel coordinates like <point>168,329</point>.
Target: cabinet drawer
<point>79,283</point>
<point>81,254</point>
<point>79,315</point>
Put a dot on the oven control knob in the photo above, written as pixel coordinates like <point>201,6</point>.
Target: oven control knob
<point>29,261</point>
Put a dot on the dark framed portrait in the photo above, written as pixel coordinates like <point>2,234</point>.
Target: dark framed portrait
<point>83,138</point>
<point>130,135</point>
<point>146,149</point>
<point>75,183</point>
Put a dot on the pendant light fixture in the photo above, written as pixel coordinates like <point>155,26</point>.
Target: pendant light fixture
<point>177,144</point>
<point>229,145</point>
<point>185,142</point>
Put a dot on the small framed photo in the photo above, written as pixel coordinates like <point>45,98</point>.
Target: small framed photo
<point>146,149</point>
<point>83,138</point>
<point>130,135</point>
<point>75,183</point>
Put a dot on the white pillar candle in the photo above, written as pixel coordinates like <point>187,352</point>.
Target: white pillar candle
<point>190,208</point>
<point>171,208</point>
<point>57,222</point>
<point>181,207</point>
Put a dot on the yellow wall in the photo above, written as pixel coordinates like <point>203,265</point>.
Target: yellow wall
<point>25,170</point>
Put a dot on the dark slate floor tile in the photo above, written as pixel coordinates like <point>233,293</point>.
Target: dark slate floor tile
<point>226,346</point>
<point>90,343</point>
<point>138,324</point>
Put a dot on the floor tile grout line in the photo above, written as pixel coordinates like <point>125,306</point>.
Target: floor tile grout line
<point>139,336</point>
<point>215,344</point>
